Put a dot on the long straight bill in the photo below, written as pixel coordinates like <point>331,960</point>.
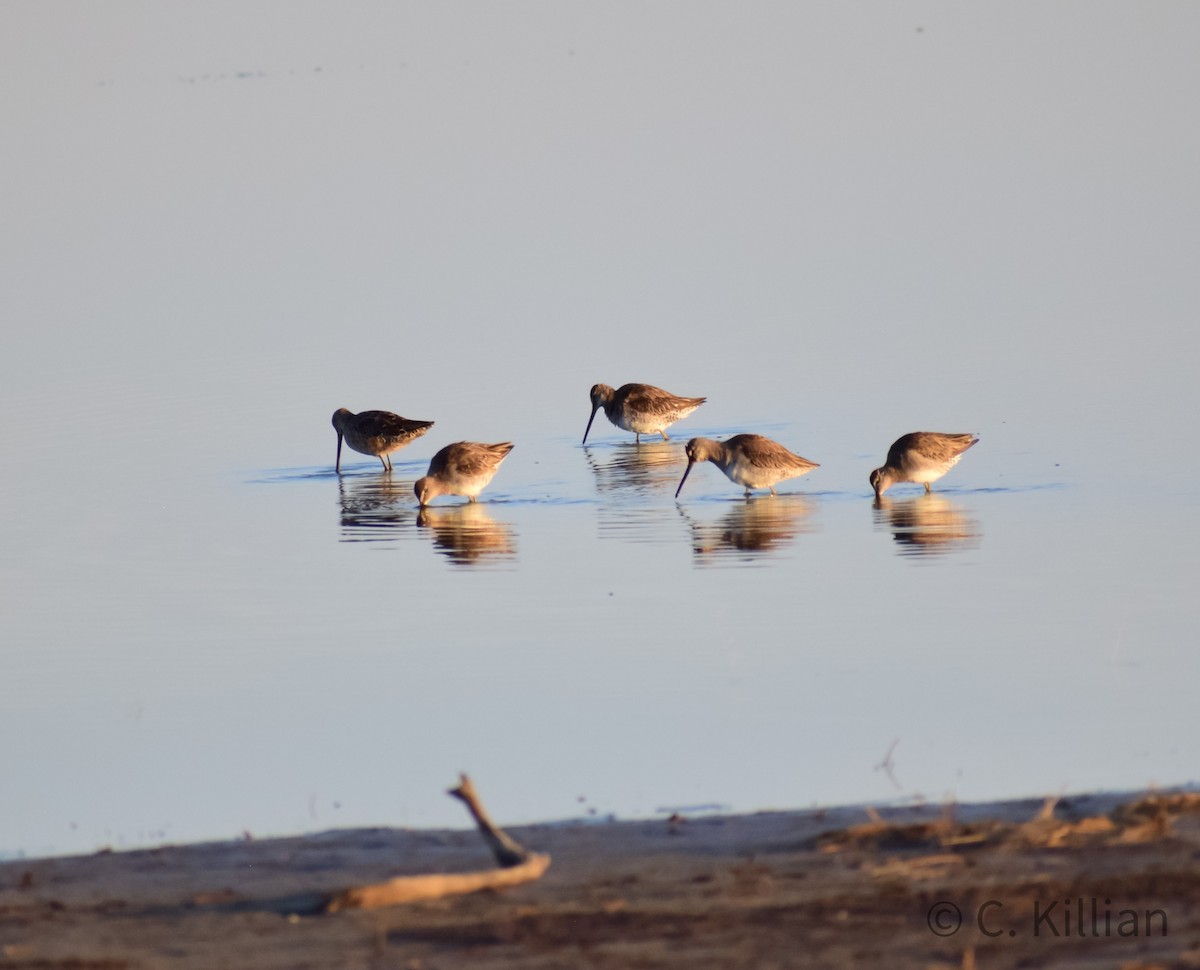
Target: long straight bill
<point>589,427</point>
<point>687,471</point>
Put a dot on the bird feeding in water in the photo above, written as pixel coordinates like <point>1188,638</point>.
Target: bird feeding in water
<point>640,408</point>
<point>463,468</point>
<point>749,460</point>
<point>377,433</point>
<point>921,457</point>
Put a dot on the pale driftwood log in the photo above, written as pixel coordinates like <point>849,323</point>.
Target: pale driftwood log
<point>516,865</point>
<point>409,889</point>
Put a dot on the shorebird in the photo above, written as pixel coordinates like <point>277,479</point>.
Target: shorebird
<point>749,460</point>
<point>375,433</point>
<point>640,408</point>
<point>463,468</point>
<point>921,457</point>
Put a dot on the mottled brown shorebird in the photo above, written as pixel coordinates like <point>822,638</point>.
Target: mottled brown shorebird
<point>375,433</point>
<point>640,408</point>
<point>921,457</point>
<point>749,460</point>
<point>463,468</point>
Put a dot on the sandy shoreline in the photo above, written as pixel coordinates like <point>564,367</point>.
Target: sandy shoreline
<point>836,887</point>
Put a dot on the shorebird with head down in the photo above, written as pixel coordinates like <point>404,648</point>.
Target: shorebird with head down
<point>749,460</point>
<point>463,468</point>
<point>921,457</point>
<point>377,433</point>
<point>640,408</point>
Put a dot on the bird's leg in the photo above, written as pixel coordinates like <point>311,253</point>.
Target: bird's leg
<point>664,434</point>
<point>470,498</point>
<point>382,462</point>
<point>772,488</point>
<point>928,490</point>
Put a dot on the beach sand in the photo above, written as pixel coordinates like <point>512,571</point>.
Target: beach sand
<point>1002,885</point>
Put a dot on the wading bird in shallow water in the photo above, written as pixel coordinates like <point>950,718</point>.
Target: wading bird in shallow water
<point>375,433</point>
<point>749,460</point>
<point>921,457</point>
<point>640,408</point>
<point>463,468</point>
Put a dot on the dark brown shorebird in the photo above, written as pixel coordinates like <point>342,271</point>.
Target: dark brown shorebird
<point>375,433</point>
<point>921,457</point>
<point>640,408</point>
<point>463,468</point>
<point>749,460</point>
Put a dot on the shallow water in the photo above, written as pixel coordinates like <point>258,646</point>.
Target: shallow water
<point>207,631</point>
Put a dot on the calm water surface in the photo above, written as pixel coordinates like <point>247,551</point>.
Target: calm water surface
<point>210,651</point>
<point>214,240</point>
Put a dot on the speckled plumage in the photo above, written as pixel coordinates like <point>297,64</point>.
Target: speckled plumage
<point>921,457</point>
<point>749,460</point>
<point>463,468</point>
<point>640,408</point>
<point>375,433</point>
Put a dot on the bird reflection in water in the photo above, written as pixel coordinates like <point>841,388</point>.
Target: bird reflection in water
<point>467,535</point>
<point>373,507</point>
<point>927,525</point>
<point>758,527</point>
<point>648,467</point>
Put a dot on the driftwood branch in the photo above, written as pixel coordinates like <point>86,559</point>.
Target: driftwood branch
<point>516,865</point>
<point>507,852</point>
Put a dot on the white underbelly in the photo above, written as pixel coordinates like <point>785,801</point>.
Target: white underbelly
<point>753,476</point>
<point>639,423</point>
<point>931,473</point>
